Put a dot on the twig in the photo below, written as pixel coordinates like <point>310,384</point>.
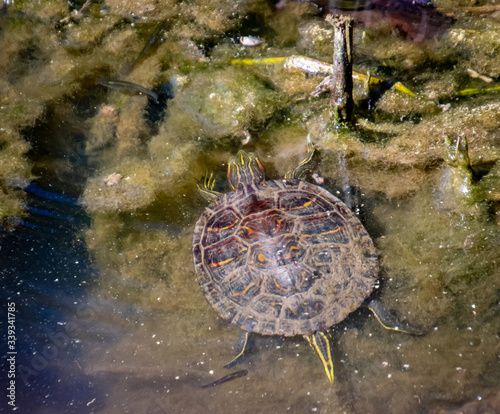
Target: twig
<point>77,15</point>
<point>342,101</point>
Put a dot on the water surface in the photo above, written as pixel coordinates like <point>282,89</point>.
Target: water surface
<point>109,316</point>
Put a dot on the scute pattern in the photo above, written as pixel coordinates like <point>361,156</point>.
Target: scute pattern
<point>283,257</point>
<point>220,226</point>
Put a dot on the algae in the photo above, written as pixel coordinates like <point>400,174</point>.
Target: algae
<point>14,168</point>
<point>137,165</point>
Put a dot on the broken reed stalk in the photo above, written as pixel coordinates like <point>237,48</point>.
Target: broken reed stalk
<point>342,102</point>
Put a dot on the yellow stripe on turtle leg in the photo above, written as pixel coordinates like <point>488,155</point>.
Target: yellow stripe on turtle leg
<point>390,321</point>
<point>242,350</point>
<point>320,342</point>
<point>206,187</point>
<point>303,168</point>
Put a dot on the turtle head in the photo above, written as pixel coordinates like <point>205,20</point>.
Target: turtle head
<point>244,169</point>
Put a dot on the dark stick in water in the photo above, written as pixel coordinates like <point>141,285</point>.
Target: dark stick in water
<point>342,101</point>
<point>128,86</point>
<point>229,377</point>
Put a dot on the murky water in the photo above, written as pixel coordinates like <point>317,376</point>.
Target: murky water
<point>96,253</point>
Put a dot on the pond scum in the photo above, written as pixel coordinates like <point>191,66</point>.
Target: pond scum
<point>134,163</point>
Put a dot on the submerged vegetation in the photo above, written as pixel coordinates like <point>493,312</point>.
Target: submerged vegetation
<point>134,161</point>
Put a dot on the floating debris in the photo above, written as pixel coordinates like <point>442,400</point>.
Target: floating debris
<point>246,137</point>
<point>477,91</point>
<point>403,89</point>
<point>249,41</point>
<point>112,179</point>
<point>76,14</point>
<point>473,74</point>
<point>315,67</point>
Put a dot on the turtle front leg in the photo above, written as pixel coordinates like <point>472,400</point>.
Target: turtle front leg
<point>206,187</point>
<point>320,342</point>
<point>303,168</point>
<point>389,320</point>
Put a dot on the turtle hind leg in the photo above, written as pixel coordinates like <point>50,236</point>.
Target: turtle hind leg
<point>320,342</point>
<point>389,320</point>
<point>243,346</point>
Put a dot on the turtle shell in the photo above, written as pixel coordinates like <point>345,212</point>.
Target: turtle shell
<point>283,257</point>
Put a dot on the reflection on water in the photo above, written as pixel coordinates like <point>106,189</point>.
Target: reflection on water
<point>45,274</point>
<point>109,316</point>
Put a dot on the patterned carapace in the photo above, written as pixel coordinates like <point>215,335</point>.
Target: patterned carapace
<point>283,257</point>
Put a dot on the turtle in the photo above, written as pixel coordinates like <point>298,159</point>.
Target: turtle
<point>284,257</point>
